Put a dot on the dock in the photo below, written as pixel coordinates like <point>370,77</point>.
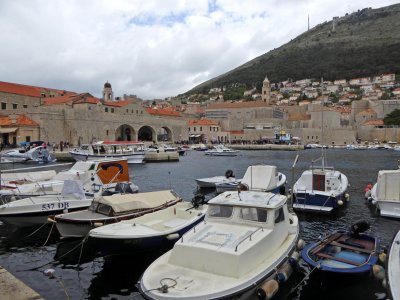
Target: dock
<point>65,156</point>
<point>11,288</point>
<point>266,147</point>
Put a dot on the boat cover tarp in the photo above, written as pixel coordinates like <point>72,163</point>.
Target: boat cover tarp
<point>29,176</point>
<point>73,187</point>
<point>388,185</point>
<point>260,177</point>
<point>128,202</point>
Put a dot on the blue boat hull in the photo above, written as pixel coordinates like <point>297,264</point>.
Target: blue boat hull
<point>352,258</point>
<point>323,201</point>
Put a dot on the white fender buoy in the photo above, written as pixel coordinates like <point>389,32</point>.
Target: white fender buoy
<point>384,283</point>
<point>382,257</point>
<point>284,273</point>
<point>300,244</point>
<point>378,271</point>
<point>295,256</point>
<point>268,289</point>
<point>340,202</point>
<point>97,224</point>
<point>347,196</point>
<point>173,236</point>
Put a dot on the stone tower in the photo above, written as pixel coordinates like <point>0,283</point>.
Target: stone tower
<point>266,91</point>
<point>107,92</point>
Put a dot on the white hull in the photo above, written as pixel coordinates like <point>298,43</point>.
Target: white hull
<point>389,209</point>
<point>73,230</point>
<point>132,158</point>
<point>393,269</point>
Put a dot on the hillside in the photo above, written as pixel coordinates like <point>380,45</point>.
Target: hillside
<point>364,43</point>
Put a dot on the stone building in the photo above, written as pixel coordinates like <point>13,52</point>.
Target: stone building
<point>266,91</point>
<point>81,118</point>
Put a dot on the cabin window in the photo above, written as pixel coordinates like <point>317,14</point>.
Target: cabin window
<point>319,182</point>
<point>279,215</point>
<point>104,209</point>
<point>106,109</point>
<point>220,211</point>
<point>253,214</point>
<point>92,167</point>
<point>112,110</point>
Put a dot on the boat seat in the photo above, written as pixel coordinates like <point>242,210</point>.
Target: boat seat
<point>334,243</point>
<point>325,255</point>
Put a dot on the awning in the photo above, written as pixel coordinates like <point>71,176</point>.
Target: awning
<point>194,135</point>
<point>8,130</point>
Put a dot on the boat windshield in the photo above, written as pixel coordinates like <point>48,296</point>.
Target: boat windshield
<point>104,209</point>
<point>253,214</point>
<point>220,211</point>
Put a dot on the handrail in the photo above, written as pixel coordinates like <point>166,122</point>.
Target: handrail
<point>249,236</point>
<point>194,229</point>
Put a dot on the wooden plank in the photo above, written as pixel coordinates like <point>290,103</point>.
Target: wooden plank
<point>324,255</point>
<point>326,242</point>
<point>334,243</point>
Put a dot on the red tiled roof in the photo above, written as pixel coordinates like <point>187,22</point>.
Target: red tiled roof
<point>28,90</point>
<point>163,112</point>
<point>72,99</point>
<point>121,103</point>
<point>367,111</point>
<point>21,120</point>
<point>374,122</point>
<point>203,122</point>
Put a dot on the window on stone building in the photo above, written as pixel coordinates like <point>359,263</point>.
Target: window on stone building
<point>137,112</point>
<point>210,128</point>
<point>27,138</point>
<point>112,110</point>
<point>308,137</point>
<point>189,129</point>
<point>15,106</point>
<point>106,109</point>
<point>316,137</point>
<point>3,105</point>
<point>127,110</point>
<point>201,128</point>
<point>25,106</point>
<point>194,128</point>
<point>141,112</point>
<point>107,132</point>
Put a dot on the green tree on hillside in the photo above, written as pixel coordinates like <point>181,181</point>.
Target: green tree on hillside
<point>392,118</point>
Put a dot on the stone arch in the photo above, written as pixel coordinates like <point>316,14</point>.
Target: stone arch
<point>147,134</point>
<point>164,134</point>
<point>125,133</point>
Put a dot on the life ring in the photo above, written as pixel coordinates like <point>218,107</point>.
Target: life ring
<point>127,131</point>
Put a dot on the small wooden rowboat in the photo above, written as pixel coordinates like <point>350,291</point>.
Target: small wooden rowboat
<point>344,252</point>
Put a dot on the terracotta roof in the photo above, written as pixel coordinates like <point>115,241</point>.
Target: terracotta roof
<point>28,90</point>
<point>72,99</point>
<point>237,105</point>
<point>163,112</point>
<point>121,103</point>
<point>367,111</point>
<point>374,122</point>
<point>21,120</point>
<point>203,122</point>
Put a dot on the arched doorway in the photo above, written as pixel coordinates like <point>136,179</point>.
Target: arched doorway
<point>125,133</point>
<point>164,134</point>
<point>146,134</point>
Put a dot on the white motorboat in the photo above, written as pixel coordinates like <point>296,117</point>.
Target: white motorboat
<point>265,178</point>
<point>393,268</point>
<point>385,193</point>
<point>211,182</point>
<point>159,229</point>
<point>131,150</point>
<point>99,175</point>
<point>34,211</point>
<point>320,189</point>
<point>221,150</point>
<point>111,209</point>
<point>37,154</point>
<point>247,236</point>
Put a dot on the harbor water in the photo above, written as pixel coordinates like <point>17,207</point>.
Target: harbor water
<point>80,273</point>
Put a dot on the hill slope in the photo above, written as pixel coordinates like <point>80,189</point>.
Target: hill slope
<point>364,43</point>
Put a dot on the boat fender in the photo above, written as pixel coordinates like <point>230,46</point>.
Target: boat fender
<point>378,271</point>
<point>300,244</point>
<point>340,202</point>
<point>268,289</point>
<point>382,258</point>
<point>97,224</point>
<point>367,194</point>
<point>173,236</point>
<point>384,283</point>
<point>294,258</point>
<point>347,196</point>
<point>284,273</point>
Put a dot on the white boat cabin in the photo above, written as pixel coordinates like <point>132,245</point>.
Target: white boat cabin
<point>388,186</point>
<point>261,178</point>
<point>320,180</point>
<point>241,230</point>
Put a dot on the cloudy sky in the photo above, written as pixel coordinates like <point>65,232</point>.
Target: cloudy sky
<point>150,48</point>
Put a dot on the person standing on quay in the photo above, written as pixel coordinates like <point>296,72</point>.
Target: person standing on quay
<point>61,146</point>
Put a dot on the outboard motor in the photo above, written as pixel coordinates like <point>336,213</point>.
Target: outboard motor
<point>358,228</point>
<point>229,173</point>
<point>198,200</point>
